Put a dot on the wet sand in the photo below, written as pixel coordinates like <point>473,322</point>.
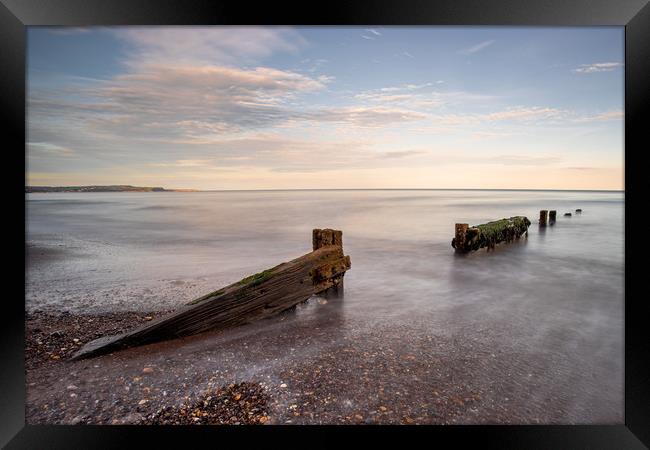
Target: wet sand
<point>377,374</point>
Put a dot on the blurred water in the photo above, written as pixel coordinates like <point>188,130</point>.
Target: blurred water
<point>547,308</point>
<point>107,251</point>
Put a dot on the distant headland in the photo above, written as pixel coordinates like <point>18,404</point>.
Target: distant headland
<point>112,188</point>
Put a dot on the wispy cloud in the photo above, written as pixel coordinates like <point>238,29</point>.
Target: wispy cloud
<point>373,31</point>
<point>407,54</point>
<point>598,67</point>
<point>185,163</point>
<point>47,148</point>
<point>418,97</point>
<point>609,115</point>
<point>366,116</point>
<point>402,154</point>
<point>534,113</point>
<point>476,48</point>
<point>370,38</point>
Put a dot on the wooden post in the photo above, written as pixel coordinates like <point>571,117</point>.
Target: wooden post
<point>326,236</point>
<point>551,217</point>
<point>542,217</point>
<point>255,297</point>
<point>459,239</point>
<point>321,238</point>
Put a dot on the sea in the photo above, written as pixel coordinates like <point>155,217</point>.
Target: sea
<point>553,299</point>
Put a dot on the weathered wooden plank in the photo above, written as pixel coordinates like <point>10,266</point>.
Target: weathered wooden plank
<point>489,234</point>
<point>321,238</point>
<point>255,297</point>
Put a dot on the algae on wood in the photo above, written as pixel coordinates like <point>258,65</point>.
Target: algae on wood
<point>489,234</point>
<point>254,297</point>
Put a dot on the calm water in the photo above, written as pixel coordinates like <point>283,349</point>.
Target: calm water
<point>149,251</point>
<point>554,301</point>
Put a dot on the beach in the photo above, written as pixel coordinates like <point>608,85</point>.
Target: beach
<point>529,333</point>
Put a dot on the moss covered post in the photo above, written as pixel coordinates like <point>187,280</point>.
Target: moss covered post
<point>321,238</point>
<point>542,217</point>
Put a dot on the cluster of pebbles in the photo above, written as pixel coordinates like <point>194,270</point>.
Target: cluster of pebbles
<point>236,404</point>
<point>52,337</point>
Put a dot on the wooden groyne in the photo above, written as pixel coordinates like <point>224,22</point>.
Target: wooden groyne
<point>255,297</point>
<point>489,234</point>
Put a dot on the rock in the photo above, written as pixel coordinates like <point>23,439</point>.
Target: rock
<point>383,409</point>
<point>71,387</point>
<point>77,420</point>
<point>143,401</point>
<point>567,214</point>
<point>56,334</point>
<point>148,318</point>
<point>132,418</point>
<point>283,385</point>
<point>147,370</point>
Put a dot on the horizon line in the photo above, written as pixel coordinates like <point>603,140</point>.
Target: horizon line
<point>352,189</point>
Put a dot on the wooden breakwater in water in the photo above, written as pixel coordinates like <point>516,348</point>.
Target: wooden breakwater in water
<point>255,297</point>
<point>489,234</point>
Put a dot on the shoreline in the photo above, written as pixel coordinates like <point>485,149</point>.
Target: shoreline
<point>286,371</point>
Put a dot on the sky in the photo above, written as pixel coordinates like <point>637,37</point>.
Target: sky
<point>326,107</point>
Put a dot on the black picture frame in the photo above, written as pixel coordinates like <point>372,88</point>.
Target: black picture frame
<point>16,15</point>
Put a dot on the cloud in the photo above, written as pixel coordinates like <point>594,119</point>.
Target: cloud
<point>485,135</point>
<point>408,55</point>
<point>609,115</point>
<point>532,113</point>
<point>314,64</point>
<point>49,149</point>
<point>402,154</point>
<point>168,102</point>
<point>476,48</point>
<point>366,116</point>
<point>276,153</point>
<point>373,31</point>
<point>370,38</point>
<point>185,163</point>
<point>206,45</point>
<point>598,67</point>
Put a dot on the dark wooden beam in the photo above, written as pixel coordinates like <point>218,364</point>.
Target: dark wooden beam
<point>255,297</point>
